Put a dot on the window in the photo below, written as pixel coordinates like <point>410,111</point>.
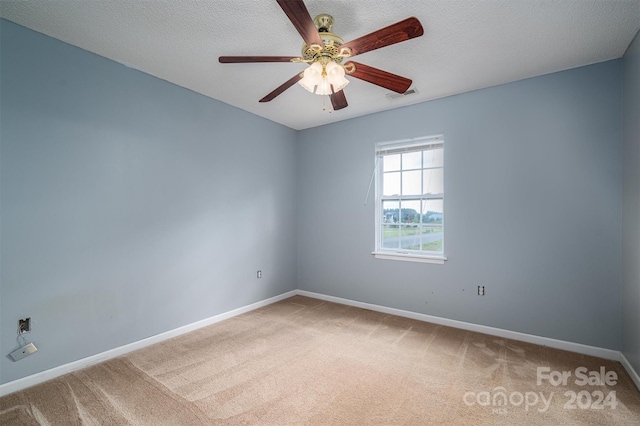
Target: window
<point>410,200</point>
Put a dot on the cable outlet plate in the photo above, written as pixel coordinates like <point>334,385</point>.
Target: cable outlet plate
<point>23,352</point>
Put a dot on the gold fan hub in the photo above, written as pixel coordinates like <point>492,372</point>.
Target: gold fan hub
<point>332,42</point>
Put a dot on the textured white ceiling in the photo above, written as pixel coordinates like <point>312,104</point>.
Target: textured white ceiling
<point>467,45</point>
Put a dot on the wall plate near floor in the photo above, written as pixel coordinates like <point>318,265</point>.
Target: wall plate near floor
<point>23,352</point>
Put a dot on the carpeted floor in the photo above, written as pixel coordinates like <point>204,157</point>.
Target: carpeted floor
<point>305,361</point>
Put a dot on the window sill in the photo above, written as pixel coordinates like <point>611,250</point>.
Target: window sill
<point>406,257</point>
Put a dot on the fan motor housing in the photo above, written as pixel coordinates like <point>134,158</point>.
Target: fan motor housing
<point>332,42</point>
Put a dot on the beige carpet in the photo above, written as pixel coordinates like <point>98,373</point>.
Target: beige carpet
<point>305,361</point>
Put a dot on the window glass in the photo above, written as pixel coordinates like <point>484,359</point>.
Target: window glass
<point>391,183</point>
<point>433,158</point>
<point>412,160</point>
<point>391,163</point>
<point>432,181</point>
<point>411,182</point>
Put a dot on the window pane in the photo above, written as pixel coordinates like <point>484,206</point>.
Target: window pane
<point>432,212</point>
<point>410,239</point>
<point>410,212</point>
<point>391,183</point>
<point>391,163</point>
<point>433,181</point>
<point>411,184</point>
<point>432,238</point>
<point>412,160</point>
<point>390,236</point>
<point>432,235</point>
<point>390,212</point>
<point>433,158</point>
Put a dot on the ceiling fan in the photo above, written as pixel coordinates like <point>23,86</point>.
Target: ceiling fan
<point>325,51</point>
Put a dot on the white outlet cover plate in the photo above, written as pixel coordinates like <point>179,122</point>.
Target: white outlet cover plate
<point>23,352</point>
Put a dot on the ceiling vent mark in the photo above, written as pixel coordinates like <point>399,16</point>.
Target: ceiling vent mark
<point>393,95</point>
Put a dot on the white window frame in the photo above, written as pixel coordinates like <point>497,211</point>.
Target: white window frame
<point>396,147</point>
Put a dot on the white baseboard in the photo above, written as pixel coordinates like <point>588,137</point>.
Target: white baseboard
<point>507,334</point>
<point>632,372</point>
<point>52,373</point>
<point>43,376</point>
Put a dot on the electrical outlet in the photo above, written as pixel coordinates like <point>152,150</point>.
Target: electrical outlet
<point>259,274</point>
<point>24,325</point>
<point>480,290</point>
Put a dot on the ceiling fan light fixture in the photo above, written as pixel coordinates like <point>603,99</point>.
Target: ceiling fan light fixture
<point>312,77</point>
<point>319,79</point>
<point>324,88</point>
<point>335,76</point>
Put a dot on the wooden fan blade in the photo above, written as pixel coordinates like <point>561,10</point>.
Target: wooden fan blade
<point>395,33</point>
<point>284,86</point>
<point>379,77</point>
<point>244,59</point>
<point>338,100</point>
<point>300,18</point>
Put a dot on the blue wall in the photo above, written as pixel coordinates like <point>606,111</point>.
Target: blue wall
<point>631,207</point>
<point>129,206</point>
<point>533,174</point>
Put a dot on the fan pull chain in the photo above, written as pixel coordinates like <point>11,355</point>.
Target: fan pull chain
<point>324,108</point>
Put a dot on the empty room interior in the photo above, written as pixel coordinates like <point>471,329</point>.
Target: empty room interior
<point>443,230</point>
